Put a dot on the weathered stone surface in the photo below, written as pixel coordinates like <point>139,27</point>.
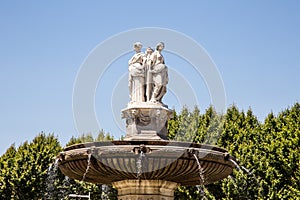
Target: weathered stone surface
<point>145,189</point>
<point>146,121</point>
<point>164,160</point>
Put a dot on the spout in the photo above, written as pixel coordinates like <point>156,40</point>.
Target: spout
<point>90,151</point>
<point>226,156</point>
<point>61,157</point>
<point>141,148</point>
<point>192,152</point>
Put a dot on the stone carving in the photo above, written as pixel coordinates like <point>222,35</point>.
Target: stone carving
<point>148,75</point>
<point>148,68</point>
<point>146,122</point>
<point>146,116</point>
<point>136,75</point>
<point>159,74</point>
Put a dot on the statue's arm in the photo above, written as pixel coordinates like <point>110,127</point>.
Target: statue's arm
<point>144,59</point>
<point>153,58</point>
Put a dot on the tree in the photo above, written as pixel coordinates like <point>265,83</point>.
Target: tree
<point>25,169</point>
<point>102,136</point>
<point>269,152</point>
<point>6,164</point>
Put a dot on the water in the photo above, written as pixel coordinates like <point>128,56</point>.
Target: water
<point>88,166</point>
<point>235,164</point>
<point>52,176</point>
<point>234,181</point>
<point>201,172</point>
<point>139,164</point>
<point>105,190</point>
<point>200,187</point>
<point>243,182</point>
<point>243,169</point>
<point>59,189</point>
<point>247,171</point>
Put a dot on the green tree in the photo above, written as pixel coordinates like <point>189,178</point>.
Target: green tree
<point>102,136</point>
<point>268,152</point>
<point>199,128</point>
<point>183,127</point>
<point>24,169</point>
<point>6,164</point>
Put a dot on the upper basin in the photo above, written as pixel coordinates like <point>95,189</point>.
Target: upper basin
<point>158,160</point>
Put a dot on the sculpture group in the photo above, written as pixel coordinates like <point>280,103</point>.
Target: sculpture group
<point>148,75</point>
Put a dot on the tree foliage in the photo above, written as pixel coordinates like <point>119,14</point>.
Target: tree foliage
<point>24,170</point>
<point>269,150</point>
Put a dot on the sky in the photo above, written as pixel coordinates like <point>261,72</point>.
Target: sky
<point>254,45</point>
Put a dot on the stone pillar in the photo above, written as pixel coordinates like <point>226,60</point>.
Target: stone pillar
<point>145,189</point>
<point>146,121</point>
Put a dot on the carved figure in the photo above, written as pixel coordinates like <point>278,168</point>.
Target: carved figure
<point>136,80</point>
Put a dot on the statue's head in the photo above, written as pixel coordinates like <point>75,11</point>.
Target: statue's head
<point>160,46</point>
<point>149,50</point>
<point>137,46</point>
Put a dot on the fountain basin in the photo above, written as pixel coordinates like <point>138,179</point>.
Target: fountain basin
<point>159,160</point>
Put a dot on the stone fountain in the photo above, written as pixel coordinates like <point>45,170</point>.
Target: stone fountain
<point>145,165</point>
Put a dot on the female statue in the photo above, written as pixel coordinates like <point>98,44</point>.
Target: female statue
<point>136,81</point>
<point>148,68</point>
<point>159,74</point>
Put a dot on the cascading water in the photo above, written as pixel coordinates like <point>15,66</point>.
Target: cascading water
<point>88,165</point>
<point>104,194</point>
<point>201,178</point>
<point>54,191</point>
<point>201,173</point>
<point>139,164</point>
<point>247,178</point>
<point>235,164</point>
<point>51,178</point>
<point>243,169</point>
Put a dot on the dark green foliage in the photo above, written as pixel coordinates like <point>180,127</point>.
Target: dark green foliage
<point>101,137</point>
<point>24,171</point>
<point>270,150</point>
<point>194,127</point>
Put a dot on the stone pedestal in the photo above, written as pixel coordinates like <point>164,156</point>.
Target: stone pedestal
<point>146,121</point>
<point>145,189</point>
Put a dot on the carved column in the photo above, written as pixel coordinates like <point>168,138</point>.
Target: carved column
<point>146,121</point>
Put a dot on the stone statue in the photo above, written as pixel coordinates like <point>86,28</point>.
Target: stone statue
<point>148,74</point>
<point>146,116</point>
<point>159,74</point>
<point>136,81</point>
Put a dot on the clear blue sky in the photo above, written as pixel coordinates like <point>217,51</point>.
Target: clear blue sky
<point>255,45</point>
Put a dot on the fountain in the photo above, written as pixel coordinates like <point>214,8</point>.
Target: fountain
<point>145,165</point>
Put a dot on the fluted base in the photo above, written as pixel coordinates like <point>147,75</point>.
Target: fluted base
<point>145,189</point>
